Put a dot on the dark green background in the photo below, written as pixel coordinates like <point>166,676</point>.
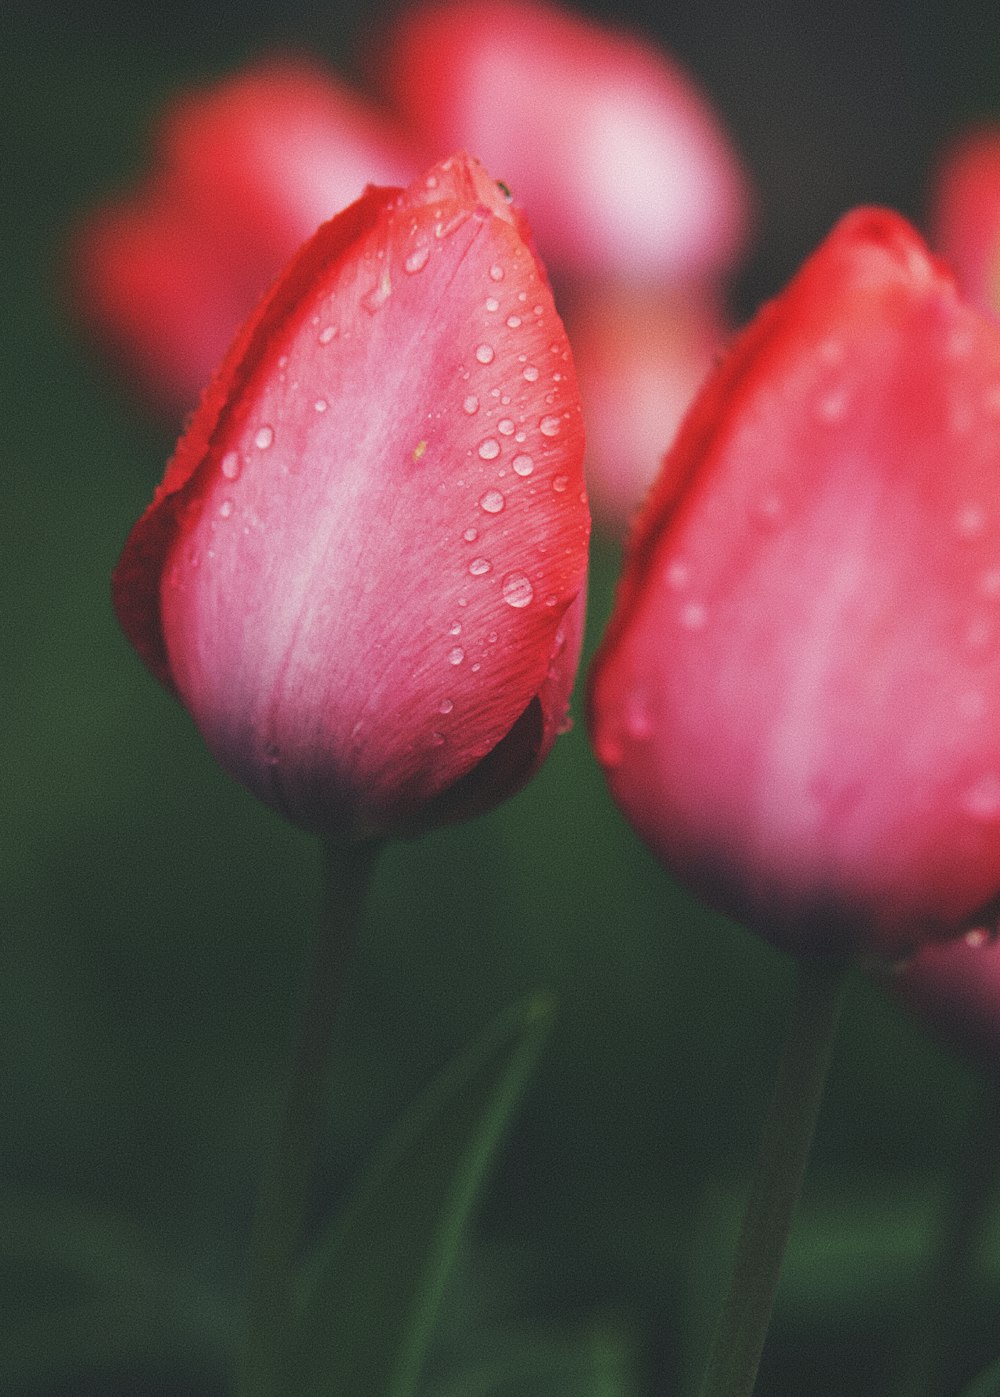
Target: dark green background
<point>154,917</point>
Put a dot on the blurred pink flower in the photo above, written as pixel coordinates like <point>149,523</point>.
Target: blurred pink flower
<point>618,159</point>
<point>244,171</point>
<point>965,215</point>
<point>641,353</point>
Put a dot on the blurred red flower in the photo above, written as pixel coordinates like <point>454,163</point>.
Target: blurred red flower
<point>363,573</point>
<point>965,215</point>
<point>618,159</point>
<point>798,700</point>
<point>244,172</point>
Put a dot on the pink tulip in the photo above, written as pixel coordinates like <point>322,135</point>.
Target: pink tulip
<point>965,215</point>
<point>617,158</point>
<point>363,573</point>
<point>244,172</point>
<point>797,704</point>
<point>955,988</point>
<point>641,353</point>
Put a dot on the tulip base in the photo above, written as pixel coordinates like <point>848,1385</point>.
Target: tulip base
<point>277,1234</point>
<point>784,1151</point>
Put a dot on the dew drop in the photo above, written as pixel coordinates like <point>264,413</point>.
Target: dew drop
<point>523,464</point>
<point>560,483</point>
<point>437,739</point>
<point>456,656</point>
<point>492,502</point>
<point>231,465</point>
<point>513,322</point>
<point>693,616</point>
<point>321,405</point>
<point>505,427</point>
<point>378,295</point>
<point>489,449</point>
<point>445,706</point>
<point>471,404</point>
<point>517,590</point>
<point>417,260</point>
<point>491,639</point>
<point>484,354</point>
<point>327,334</point>
<point>496,272</point>
<point>981,800</point>
<point>832,406</point>
<point>455,628</point>
<point>225,509</point>
<point>471,535</point>
<point>480,566</point>
<point>530,373</point>
<point>264,438</point>
<point>447,226</point>
<point>549,426</point>
<point>970,521</point>
<point>492,303</point>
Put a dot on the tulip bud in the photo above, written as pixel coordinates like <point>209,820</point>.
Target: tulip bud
<point>244,172</point>
<point>797,703</point>
<point>955,989</point>
<point>363,572</point>
<point>965,215</point>
<point>615,155</point>
<point>641,353</point>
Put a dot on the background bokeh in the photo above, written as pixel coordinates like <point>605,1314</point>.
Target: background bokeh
<point>154,917</point>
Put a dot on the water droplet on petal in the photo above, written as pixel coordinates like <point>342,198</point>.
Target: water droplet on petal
<point>549,426</point>
<point>489,449</point>
<point>492,303</point>
<point>455,628</point>
<point>321,405</point>
<point>981,800</point>
<point>225,509</point>
<point>560,483</point>
<point>447,226</point>
<point>492,502</point>
<point>970,521</point>
<point>496,272</point>
<point>445,706</point>
<point>456,656</point>
<point>471,535</point>
<point>378,295</point>
<point>471,404</point>
<point>529,373</point>
<point>505,427</point>
<point>264,438</point>
<point>485,354</point>
<point>523,464</point>
<point>517,590</point>
<point>693,616</point>
<point>417,260</point>
<point>513,321</point>
<point>479,567</point>
<point>327,334</point>
<point>231,465</point>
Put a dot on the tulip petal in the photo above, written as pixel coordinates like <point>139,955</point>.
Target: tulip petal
<point>356,569</point>
<point>798,701</point>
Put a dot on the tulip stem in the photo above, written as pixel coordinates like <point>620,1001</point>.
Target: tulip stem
<point>784,1151</point>
<point>279,1219</point>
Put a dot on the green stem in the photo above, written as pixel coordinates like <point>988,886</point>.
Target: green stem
<point>277,1234</point>
<point>781,1164</point>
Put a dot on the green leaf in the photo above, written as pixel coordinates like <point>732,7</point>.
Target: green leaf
<point>987,1384</point>
<point>600,1362</point>
<point>369,1296</point>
